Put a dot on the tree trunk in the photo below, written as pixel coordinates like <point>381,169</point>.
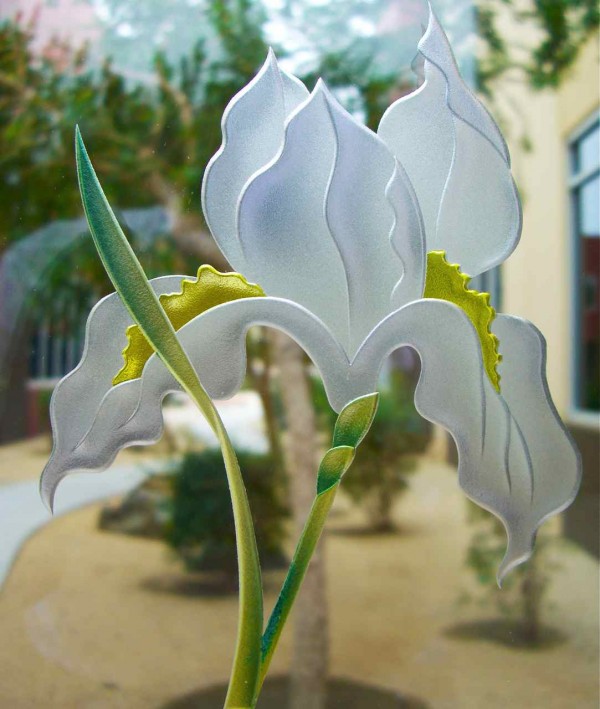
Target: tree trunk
<point>531,593</point>
<point>310,645</point>
<point>187,228</point>
<point>260,375</point>
<point>380,509</point>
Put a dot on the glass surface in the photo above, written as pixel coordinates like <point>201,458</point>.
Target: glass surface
<point>587,235</point>
<point>588,150</point>
<point>589,208</point>
<point>96,608</point>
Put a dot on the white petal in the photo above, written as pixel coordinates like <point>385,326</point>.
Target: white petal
<point>330,221</point>
<point>419,130</point>
<point>434,46</point>
<point>516,458</point>
<point>253,129</point>
<point>373,216</point>
<point>77,396</point>
<point>479,221</point>
<point>555,464</point>
<point>92,421</point>
<point>457,160</point>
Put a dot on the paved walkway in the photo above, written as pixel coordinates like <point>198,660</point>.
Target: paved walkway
<point>22,511</point>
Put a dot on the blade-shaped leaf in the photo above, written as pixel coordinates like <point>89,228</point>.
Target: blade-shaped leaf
<point>129,279</point>
<point>138,296</point>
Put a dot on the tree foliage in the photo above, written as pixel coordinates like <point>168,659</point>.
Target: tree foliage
<point>150,141</point>
<point>152,133</point>
<point>558,29</point>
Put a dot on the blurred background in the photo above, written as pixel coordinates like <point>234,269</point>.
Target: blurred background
<point>127,597</point>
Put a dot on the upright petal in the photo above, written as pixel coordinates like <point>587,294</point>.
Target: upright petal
<point>516,458</point>
<point>434,46</point>
<point>419,130</point>
<point>253,130</point>
<point>457,161</point>
<point>329,223</point>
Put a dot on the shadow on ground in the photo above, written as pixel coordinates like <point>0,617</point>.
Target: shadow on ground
<point>366,532</point>
<point>506,632</point>
<point>205,585</point>
<point>341,694</point>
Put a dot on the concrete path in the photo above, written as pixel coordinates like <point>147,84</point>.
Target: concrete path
<point>22,511</point>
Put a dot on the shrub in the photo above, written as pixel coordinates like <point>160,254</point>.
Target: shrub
<point>201,529</point>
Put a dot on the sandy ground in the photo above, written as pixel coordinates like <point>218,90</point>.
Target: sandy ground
<point>91,619</point>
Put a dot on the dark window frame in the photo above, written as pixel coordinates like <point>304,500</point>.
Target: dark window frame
<point>578,179</point>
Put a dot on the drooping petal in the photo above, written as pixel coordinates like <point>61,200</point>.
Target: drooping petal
<point>93,420</point>
<point>553,458</point>
<point>77,396</point>
<point>253,130</point>
<point>457,161</point>
<point>332,223</point>
<point>516,458</point>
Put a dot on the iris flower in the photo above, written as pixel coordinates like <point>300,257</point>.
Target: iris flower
<point>355,239</point>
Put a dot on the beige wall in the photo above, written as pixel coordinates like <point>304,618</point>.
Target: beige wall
<point>537,277</point>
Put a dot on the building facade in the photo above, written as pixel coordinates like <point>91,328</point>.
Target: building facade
<point>553,278</point>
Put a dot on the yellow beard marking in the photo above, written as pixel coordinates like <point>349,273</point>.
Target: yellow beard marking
<point>446,282</point>
<point>209,289</point>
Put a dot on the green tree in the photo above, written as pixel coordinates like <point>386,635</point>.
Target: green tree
<point>522,600</point>
<point>559,28</point>
<point>151,142</point>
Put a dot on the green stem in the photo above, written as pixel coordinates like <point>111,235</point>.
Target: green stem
<point>131,283</point>
<point>243,680</point>
<point>352,425</point>
<point>311,534</point>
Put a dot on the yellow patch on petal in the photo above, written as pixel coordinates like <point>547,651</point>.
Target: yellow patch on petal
<point>209,289</point>
<point>445,281</point>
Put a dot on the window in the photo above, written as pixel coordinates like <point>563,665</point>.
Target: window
<point>584,154</point>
